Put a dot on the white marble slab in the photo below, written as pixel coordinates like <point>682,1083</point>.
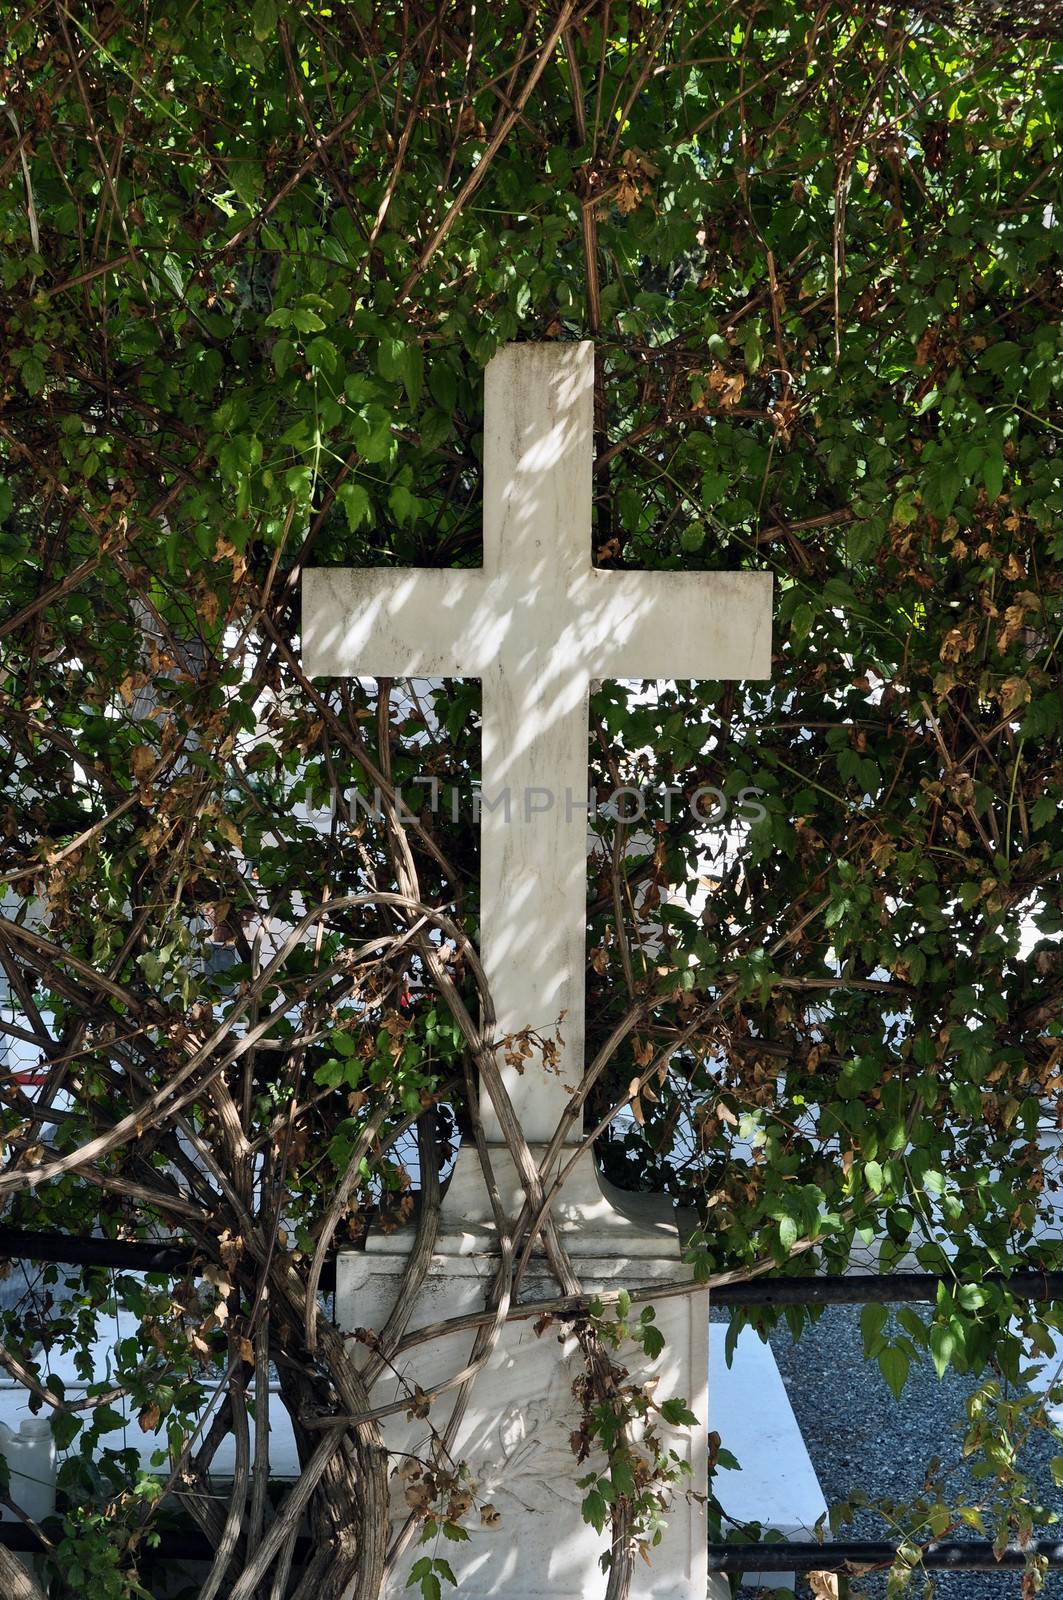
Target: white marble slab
<point>751,1411</point>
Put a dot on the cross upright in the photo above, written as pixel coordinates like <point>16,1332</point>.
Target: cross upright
<point>536,623</point>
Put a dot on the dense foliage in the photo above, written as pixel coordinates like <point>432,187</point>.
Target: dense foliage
<point>252,266</point>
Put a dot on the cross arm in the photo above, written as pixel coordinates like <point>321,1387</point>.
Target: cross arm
<point>393,622</point>
<point>680,625</point>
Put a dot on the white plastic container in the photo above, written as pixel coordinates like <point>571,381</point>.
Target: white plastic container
<point>30,1455</point>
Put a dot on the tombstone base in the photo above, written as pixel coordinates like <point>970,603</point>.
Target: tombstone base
<point>515,1432</point>
<point>592,1216</point>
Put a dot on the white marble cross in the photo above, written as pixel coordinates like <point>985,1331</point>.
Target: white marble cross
<point>536,623</point>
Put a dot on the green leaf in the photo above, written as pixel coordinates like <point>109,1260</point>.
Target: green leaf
<point>801,621</point>
<point>65,1428</point>
<point>873,1319</point>
<point>321,354</point>
<point>595,1509</point>
<point>391,359</point>
<point>678,1413</point>
<point>443,386</point>
<point>331,1073</point>
<point>906,510</point>
<point>894,1365</point>
<point>752,347</point>
<point>435,427</point>
<point>105,1419</point>
<point>246,179</point>
<point>942,1346</point>
<point>372,434</point>
<point>357,507</point>
<point>33,375</point>
<point>413,371</point>
<point>652,1342</point>
<point>403,504</point>
<point>264,19</point>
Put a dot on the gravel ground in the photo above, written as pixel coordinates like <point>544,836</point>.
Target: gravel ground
<point>859,1436</point>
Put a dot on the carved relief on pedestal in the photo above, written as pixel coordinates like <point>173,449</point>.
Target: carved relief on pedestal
<point>531,1466</point>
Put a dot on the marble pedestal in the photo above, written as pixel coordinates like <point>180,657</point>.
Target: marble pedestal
<point>515,1431</point>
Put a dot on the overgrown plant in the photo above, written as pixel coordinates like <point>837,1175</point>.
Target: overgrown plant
<point>252,265</point>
